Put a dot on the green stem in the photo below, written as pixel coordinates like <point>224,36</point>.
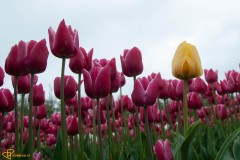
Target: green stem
<point>99,130</point>
<point>94,132</point>
<point>139,138</point>
<point>1,125</point>
<point>80,118</point>
<point>30,126</point>
<point>179,118</point>
<point>21,124</point>
<point>124,129</point>
<point>149,141</point>
<point>16,115</point>
<point>204,111</point>
<point>114,122</point>
<point>161,119</point>
<point>63,114</point>
<point>38,137</point>
<point>185,107</point>
<point>109,127</point>
<point>71,147</point>
<point>168,114</point>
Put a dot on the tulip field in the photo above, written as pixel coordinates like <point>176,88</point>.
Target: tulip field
<point>187,118</point>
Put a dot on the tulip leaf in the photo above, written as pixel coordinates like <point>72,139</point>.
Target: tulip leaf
<point>236,148</point>
<point>58,149</point>
<point>123,154</point>
<point>26,148</point>
<point>47,151</point>
<point>227,144</point>
<point>187,150</point>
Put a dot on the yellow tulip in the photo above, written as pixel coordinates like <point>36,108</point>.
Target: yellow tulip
<point>186,63</point>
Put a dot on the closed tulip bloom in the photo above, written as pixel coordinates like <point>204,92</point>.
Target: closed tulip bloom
<point>37,55</point>
<point>72,125</point>
<point>122,79</point>
<point>6,100</point>
<point>199,85</point>
<point>38,95</point>
<point>70,87</point>
<point>97,82</point>
<point>41,112</point>
<point>111,63</point>
<point>64,43</point>
<point>194,101</point>
<point>15,62</point>
<point>163,150</point>
<point>163,93</point>
<point>51,139</point>
<point>1,76</point>
<point>81,61</point>
<point>56,118</point>
<point>115,84</point>
<point>23,86</point>
<point>152,114</point>
<point>222,87</point>
<point>131,62</point>
<point>186,62</point>
<point>145,92</point>
<point>211,76</point>
<point>37,156</point>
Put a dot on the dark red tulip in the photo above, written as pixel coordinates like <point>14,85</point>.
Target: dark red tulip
<point>163,93</point>
<point>211,76</point>
<point>51,139</point>
<point>160,83</point>
<point>64,43</point>
<point>37,156</point>
<point>115,84</point>
<point>6,100</point>
<point>44,124</point>
<point>24,83</point>
<point>37,55</point>
<point>70,87</point>
<point>72,125</point>
<point>232,81</point>
<point>222,87</point>
<point>1,76</point>
<point>41,112</point>
<point>199,85</point>
<point>38,95</point>
<point>194,101</point>
<point>153,113</point>
<point>128,104</point>
<point>131,62</point>
<point>15,62</point>
<point>56,118</point>
<point>81,61</point>
<point>122,79</point>
<point>97,82</point>
<point>163,150</point>
<point>145,92</point>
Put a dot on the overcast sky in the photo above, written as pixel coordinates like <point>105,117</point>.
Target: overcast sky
<point>156,27</point>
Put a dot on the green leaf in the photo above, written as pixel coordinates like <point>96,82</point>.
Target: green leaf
<point>226,144</point>
<point>47,151</point>
<point>58,148</point>
<point>187,150</point>
<point>178,142</point>
<point>123,154</point>
<point>236,148</point>
<point>26,148</point>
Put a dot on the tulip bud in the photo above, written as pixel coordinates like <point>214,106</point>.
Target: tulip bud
<point>131,62</point>
<point>72,125</point>
<point>211,76</point>
<point>194,101</point>
<point>186,62</point>
<point>41,112</point>
<point>6,100</point>
<point>199,85</point>
<point>163,150</point>
<point>1,76</point>
<point>145,92</point>
<point>64,43</point>
<point>38,95</point>
<point>81,61</point>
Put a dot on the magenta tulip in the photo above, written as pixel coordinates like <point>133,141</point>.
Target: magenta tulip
<point>199,85</point>
<point>211,76</point>
<point>64,43</point>
<point>131,62</point>
<point>56,118</point>
<point>72,125</point>
<point>81,61</point>
<point>145,92</point>
<point>122,79</point>
<point>37,55</point>
<point>163,150</point>
<point>38,95</point>
<point>41,112</point>
<point>194,101</point>
<point>15,62</point>
<point>70,87</point>
<point>1,76</point>
<point>97,82</point>
<point>6,100</point>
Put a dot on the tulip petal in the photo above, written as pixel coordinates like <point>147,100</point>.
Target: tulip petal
<point>88,84</point>
<point>138,94</point>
